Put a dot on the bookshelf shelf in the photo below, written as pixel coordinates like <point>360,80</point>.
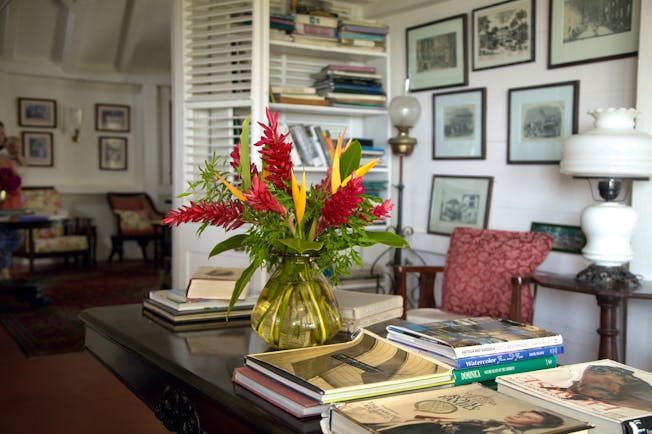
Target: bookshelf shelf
<point>326,111</point>
<point>345,53</point>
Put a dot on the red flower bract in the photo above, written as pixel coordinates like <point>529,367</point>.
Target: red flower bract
<point>275,153</point>
<point>341,205</point>
<point>260,199</point>
<point>227,214</point>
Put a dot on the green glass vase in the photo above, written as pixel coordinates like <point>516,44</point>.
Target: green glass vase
<point>296,308</point>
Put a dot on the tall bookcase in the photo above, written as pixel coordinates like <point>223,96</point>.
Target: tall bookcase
<point>223,66</point>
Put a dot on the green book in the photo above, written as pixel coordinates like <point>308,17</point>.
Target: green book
<point>490,372</point>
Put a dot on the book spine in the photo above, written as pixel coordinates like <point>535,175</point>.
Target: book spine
<point>297,137</point>
<point>368,37</point>
<point>485,373</point>
<point>350,68</point>
<point>503,347</point>
<point>315,30</point>
<point>314,19</point>
<point>514,356</point>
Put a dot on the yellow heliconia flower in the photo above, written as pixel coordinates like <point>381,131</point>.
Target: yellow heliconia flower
<point>299,197</point>
<point>360,171</point>
<point>237,193</point>
<point>336,178</point>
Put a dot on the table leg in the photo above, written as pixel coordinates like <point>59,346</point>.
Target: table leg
<point>608,330</point>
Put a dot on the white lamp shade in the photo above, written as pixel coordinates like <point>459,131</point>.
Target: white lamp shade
<point>404,111</point>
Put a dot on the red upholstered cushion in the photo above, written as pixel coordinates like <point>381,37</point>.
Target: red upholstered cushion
<point>479,267</point>
<point>129,203</point>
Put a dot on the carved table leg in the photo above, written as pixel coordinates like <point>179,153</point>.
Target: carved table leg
<point>608,330</point>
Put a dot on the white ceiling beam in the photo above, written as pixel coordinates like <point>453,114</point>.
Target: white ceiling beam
<point>126,43</point>
<point>7,29</point>
<point>70,33</point>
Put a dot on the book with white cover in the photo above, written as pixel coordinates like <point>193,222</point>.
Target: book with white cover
<point>215,282</point>
<point>356,305</point>
<point>615,397</point>
<point>177,300</point>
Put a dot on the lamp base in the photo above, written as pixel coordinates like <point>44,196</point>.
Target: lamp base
<point>617,278</point>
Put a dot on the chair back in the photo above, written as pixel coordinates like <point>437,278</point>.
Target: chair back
<point>42,200</point>
<point>134,211</point>
<point>480,264</point>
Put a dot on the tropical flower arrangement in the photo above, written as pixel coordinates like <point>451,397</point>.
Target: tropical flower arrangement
<point>326,220</point>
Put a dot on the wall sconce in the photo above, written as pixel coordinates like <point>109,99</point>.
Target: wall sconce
<point>612,153</point>
<point>76,118</point>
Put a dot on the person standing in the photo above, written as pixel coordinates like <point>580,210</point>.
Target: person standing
<point>10,198</point>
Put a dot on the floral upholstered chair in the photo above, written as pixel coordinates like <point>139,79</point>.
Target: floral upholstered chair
<point>66,236</point>
<point>477,276</point>
<point>136,219</point>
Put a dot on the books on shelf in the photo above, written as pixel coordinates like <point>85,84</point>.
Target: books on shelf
<point>315,30</point>
<point>315,40</point>
<point>277,393</point>
<point>320,20</point>
<point>351,68</point>
<point>362,309</point>
<point>368,365</point>
<point>468,337</point>
<point>176,299</point>
<point>465,409</point>
<point>215,283</point>
<point>615,397</point>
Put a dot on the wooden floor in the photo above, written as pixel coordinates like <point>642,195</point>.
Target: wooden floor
<point>66,394</point>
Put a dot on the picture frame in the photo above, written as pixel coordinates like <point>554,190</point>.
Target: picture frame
<point>112,117</point>
<point>566,238</point>
<point>572,43</point>
<point>503,34</point>
<point>37,148</point>
<point>437,54</point>
<point>540,118</point>
<point>113,153</point>
<point>459,201</point>
<point>37,112</point>
<point>459,125</point>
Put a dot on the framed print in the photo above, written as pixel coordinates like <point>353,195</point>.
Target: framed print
<point>113,153</point>
<point>540,118</point>
<point>503,34</point>
<point>437,54</point>
<point>582,31</point>
<point>569,239</point>
<point>458,120</point>
<point>40,113</point>
<point>37,148</point>
<point>112,117</point>
<point>459,201</point>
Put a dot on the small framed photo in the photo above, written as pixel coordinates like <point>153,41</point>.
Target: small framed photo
<point>459,201</point>
<point>540,118</point>
<point>583,31</point>
<point>437,54</point>
<point>503,34</point>
<point>459,125</point>
<point>566,238</point>
<point>113,153</point>
<point>37,148</point>
<point>40,113</point>
<point>112,117</point>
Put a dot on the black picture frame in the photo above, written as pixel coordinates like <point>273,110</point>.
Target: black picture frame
<point>459,125</point>
<point>503,34</point>
<point>437,54</point>
<point>112,153</point>
<point>37,112</point>
<point>566,238</point>
<point>37,148</point>
<point>459,201</point>
<point>112,118</point>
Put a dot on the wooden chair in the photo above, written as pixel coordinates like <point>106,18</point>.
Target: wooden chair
<point>66,237</point>
<point>136,219</point>
<point>477,276</point>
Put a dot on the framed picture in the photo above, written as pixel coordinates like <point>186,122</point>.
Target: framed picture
<point>113,153</point>
<point>459,201</point>
<point>34,112</point>
<point>458,120</point>
<point>112,117</point>
<point>540,118</point>
<point>503,34</point>
<point>569,239</point>
<point>584,31</point>
<point>437,54</point>
<point>37,148</point>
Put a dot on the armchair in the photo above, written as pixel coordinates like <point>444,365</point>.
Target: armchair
<point>136,219</point>
<point>477,276</point>
<point>65,237</point>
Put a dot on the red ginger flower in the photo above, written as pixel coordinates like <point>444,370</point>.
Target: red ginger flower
<point>275,153</point>
<point>235,161</point>
<point>260,198</point>
<point>341,205</point>
<point>225,214</point>
<point>382,211</point>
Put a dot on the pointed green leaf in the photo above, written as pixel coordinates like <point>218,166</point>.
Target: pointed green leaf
<point>245,173</point>
<point>241,283</point>
<point>302,246</point>
<point>230,243</point>
<point>350,159</point>
<point>387,238</point>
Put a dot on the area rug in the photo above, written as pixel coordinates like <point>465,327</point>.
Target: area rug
<point>56,328</point>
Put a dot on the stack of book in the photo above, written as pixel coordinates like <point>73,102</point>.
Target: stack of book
<point>315,30</point>
<point>282,22</point>
<point>296,95</point>
<point>312,145</point>
<point>481,349</point>
<point>346,85</point>
<point>368,35</point>
<point>362,309</point>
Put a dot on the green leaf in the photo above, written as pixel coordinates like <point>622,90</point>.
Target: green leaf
<point>241,283</point>
<point>350,159</point>
<point>230,243</point>
<point>245,173</point>
<point>387,238</point>
<point>302,246</point>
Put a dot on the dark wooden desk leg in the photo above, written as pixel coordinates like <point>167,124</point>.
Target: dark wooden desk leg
<point>608,330</point>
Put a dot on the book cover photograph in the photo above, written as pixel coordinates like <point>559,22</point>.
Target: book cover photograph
<point>602,389</point>
<point>471,408</point>
<point>365,366</point>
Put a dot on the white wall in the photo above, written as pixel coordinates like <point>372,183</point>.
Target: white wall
<point>521,193</point>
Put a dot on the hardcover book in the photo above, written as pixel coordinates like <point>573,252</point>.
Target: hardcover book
<point>196,325</point>
<point>473,336</point>
<point>366,366</point>
<point>176,300</point>
<point>184,317</point>
<point>215,282</point>
<point>614,396</point>
<point>356,305</point>
<point>491,372</point>
<point>464,409</point>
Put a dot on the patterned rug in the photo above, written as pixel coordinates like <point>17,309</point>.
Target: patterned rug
<point>55,329</point>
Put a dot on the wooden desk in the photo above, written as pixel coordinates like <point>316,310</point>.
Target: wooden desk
<point>182,382</point>
<point>609,300</point>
